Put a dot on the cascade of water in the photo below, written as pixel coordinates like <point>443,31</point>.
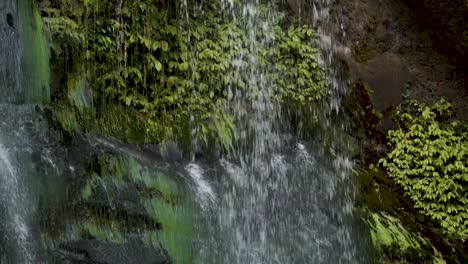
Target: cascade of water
<point>16,241</point>
<point>14,203</point>
<point>321,20</point>
<point>280,200</point>
<point>205,194</point>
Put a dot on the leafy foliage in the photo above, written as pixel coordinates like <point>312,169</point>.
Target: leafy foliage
<point>142,55</point>
<point>429,159</point>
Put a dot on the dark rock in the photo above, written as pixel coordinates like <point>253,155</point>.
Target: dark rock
<point>93,251</point>
<point>9,19</point>
<point>390,36</point>
<point>386,75</point>
<point>448,23</point>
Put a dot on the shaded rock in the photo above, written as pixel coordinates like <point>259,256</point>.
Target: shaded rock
<point>9,19</point>
<point>386,75</point>
<point>448,23</point>
<point>301,9</point>
<point>388,35</point>
<point>93,251</point>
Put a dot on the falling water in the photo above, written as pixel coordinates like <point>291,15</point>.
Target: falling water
<point>280,199</point>
<point>203,190</point>
<point>14,204</point>
<point>273,198</point>
<point>331,47</point>
<point>17,205</point>
<point>15,234</point>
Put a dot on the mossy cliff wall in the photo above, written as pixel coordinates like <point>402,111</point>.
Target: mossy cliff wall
<point>35,53</point>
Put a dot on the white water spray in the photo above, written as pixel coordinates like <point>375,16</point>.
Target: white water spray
<point>13,199</point>
<point>204,192</point>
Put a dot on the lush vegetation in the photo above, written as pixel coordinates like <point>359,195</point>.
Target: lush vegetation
<point>429,159</point>
<point>144,60</point>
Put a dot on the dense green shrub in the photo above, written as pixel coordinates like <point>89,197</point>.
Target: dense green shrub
<point>429,159</point>
<point>144,55</point>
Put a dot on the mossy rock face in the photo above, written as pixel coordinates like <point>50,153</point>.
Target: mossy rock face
<point>121,205</point>
<point>35,57</point>
<point>398,245</point>
<point>24,63</point>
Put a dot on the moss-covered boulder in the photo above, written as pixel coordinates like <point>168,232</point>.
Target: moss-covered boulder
<point>396,244</point>
<point>123,207</point>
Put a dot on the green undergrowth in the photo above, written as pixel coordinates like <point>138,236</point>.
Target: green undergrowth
<point>171,75</point>
<point>428,158</point>
<point>400,232</point>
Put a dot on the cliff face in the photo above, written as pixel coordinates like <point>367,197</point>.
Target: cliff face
<point>411,49</point>
<point>400,56</point>
<point>448,20</point>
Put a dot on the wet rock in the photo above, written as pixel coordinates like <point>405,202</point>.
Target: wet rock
<point>123,204</point>
<point>300,8</point>
<point>93,251</point>
<point>11,90</point>
<point>9,19</point>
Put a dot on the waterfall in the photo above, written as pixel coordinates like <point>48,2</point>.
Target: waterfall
<point>14,204</point>
<point>23,79</point>
<point>15,234</point>
<point>274,197</point>
<point>281,199</point>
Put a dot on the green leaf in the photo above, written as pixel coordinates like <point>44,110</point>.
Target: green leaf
<point>157,65</point>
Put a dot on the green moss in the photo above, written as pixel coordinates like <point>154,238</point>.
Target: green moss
<point>76,94</point>
<point>177,232</point>
<point>67,118</point>
<point>399,245</point>
<point>104,232</point>
<point>87,191</point>
<point>35,58</point>
<point>387,230</point>
<point>125,124</point>
<point>169,207</point>
<point>359,104</point>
